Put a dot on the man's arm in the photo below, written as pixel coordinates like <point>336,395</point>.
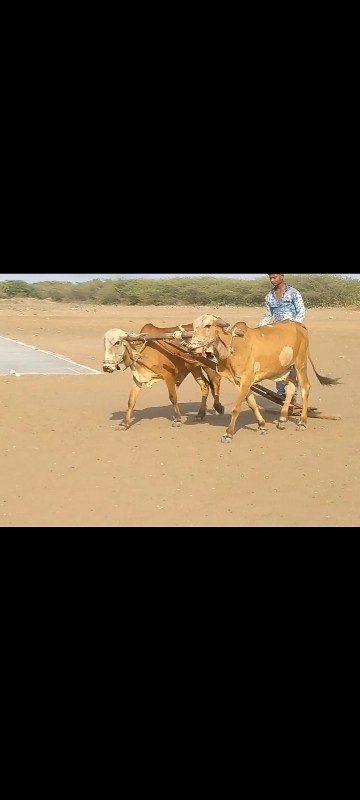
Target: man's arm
<point>299,307</point>
<point>268,315</point>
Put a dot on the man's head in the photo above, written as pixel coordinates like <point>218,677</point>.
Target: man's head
<point>276,278</point>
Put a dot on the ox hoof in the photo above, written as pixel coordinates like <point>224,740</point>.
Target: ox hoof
<point>199,417</point>
<point>281,426</point>
<point>219,409</point>
<point>301,427</point>
<point>123,427</point>
<point>262,430</point>
<point>176,424</point>
<point>226,439</point>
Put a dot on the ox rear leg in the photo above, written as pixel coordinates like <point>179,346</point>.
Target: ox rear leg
<point>305,390</point>
<point>284,414</point>
<point>125,423</point>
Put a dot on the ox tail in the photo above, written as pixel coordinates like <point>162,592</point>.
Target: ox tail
<point>323,379</point>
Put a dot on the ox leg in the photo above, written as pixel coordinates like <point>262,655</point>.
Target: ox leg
<point>204,388</point>
<point>170,382</point>
<point>125,423</point>
<point>214,382</point>
<point>230,430</point>
<point>215,391</point>
<point>255,409</point>
<point>284,414</point>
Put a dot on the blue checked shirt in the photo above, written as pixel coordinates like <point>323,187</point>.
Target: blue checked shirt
<point>290,306</point>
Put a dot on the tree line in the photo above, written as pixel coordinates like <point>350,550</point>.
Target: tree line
<point>317,291</point>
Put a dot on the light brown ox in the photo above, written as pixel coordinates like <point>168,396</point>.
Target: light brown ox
<point>151,361</point>
<point>247,355</point>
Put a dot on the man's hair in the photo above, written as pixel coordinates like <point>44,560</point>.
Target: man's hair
<point>275,273</point>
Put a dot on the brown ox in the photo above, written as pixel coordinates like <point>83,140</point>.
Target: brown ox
<point>247,355</point>
<point>160,359</point>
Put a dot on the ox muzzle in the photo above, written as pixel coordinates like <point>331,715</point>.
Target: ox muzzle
<point>202,347</point>
<point>114,355</point>
<point>109,366</point>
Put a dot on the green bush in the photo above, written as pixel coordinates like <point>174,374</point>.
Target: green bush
<point>317,290</point>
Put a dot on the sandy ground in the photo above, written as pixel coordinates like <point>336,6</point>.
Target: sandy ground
<point>64,461</point>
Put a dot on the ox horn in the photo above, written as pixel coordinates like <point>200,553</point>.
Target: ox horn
<point>222,324</point>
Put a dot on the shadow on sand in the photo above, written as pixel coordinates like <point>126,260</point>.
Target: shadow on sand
<point>188,411</point>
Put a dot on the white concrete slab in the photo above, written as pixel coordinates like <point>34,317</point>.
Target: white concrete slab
<point>26,359</point>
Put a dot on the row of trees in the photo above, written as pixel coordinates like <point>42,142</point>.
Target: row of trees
<point>317,290</point>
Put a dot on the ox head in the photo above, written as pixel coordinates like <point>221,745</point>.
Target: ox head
<point>116,349</point>
<point>206,331</point>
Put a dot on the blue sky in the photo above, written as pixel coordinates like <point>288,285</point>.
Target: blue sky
<point>75,278</point>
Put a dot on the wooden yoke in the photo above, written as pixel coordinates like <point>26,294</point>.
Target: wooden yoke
<point>151,337</point>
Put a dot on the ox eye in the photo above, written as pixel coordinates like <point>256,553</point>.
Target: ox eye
<point>207,326</point>
<point>116,343</point>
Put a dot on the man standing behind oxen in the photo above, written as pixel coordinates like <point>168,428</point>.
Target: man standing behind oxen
<point>282,302</point>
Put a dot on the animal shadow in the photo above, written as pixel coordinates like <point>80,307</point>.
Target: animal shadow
<point>188,413</point>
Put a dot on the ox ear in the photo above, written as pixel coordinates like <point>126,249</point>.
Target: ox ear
<point>238,331</point>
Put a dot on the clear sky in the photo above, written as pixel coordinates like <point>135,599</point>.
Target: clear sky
<point>74,278</point>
